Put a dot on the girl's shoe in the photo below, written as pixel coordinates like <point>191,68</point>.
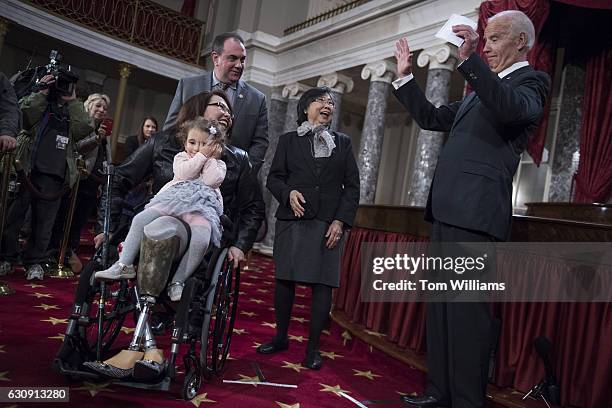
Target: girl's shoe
<point>117,271</point>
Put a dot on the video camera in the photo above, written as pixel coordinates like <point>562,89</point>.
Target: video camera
<point>65,79</point>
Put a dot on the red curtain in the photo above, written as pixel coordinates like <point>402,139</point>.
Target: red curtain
<point>540,57</point>
<point>594,175</point>
<point>189,7</point>
<point>580,332</point>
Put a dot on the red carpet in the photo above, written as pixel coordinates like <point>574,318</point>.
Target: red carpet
<point>32,322</point>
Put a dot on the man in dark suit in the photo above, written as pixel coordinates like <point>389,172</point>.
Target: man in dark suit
<point>470,195</point>
<point>250,131</point>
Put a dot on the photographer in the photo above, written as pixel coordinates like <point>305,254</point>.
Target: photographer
<point>53,120</point>
<point>93,150</point>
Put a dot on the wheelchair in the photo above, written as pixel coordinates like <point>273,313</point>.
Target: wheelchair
<point>203,320</point>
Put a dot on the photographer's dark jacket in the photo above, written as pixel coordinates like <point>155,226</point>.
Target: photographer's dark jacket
<point>332,194</point>
<point>33,108</point>
<point>242,199</point>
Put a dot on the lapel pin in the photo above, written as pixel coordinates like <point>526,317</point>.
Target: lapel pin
<point>240,96</point>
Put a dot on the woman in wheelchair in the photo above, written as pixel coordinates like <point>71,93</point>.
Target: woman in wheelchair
<point>193,195</point>
<point>92,330</point>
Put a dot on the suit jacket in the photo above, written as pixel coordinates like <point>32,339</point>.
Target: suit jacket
<point>332,195</point>
<point>250,129</point>
<point>488,131</point>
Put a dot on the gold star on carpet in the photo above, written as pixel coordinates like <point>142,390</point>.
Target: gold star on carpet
<point>127,330</point>
<point>262,290</point>
<point>239,331</point>
<point>198,399</point>
<point>297,338</point>
<point>336,390</point>
<point>371,349</point>
<point>246,378</point>
<point>2,349</point>
<point>3,376</point>
<point>375,334</point>
<point>346,336</point>
<point>330,354</point>
<point>250,314</point>
<point>256,344</point>
<point>412,394</point>
<point>272,325</point>
<point>258,301</point>
<point>300,295</point>
<point>55,321</point>
<point>34,285</point>
<point>246,283</point>
<point>59,336</point>
<point>41,295</point>
<point>281,405</point>
<point>294,366</point>
<point>241,293</point>
<point>93,388</point>
<point>298,319</point>
<point>367,374</point>
<point>47,307</point>
<point>230,358</point>
<point>271,309</point>
<point>326,332</point>
<point>300,306</point>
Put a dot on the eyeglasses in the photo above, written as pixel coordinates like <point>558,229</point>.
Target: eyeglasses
<point>325,101</point>
<point>224,108</point>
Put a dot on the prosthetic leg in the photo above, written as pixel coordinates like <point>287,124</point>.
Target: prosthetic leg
<point>165,240</point>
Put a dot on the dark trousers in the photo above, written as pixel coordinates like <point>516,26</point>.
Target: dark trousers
<point>43,217</point>
<point>85,206</point>
<point>458,338</point>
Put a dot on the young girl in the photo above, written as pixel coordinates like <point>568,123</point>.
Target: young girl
<point>193,195</point>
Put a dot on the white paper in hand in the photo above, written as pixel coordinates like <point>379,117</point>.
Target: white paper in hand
<point>446,32</point>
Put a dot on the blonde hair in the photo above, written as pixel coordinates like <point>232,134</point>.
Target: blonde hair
<point>91,99</point>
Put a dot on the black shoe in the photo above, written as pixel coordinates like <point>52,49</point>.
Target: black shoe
<point>273,347</point>
<point>424,401</point>
<point>313,361</point>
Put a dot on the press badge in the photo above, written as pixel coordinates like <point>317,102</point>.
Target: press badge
<point>61,142</point>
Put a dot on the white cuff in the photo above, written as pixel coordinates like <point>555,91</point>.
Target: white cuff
<point>401,81</point>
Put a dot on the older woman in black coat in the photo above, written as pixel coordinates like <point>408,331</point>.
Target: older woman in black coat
<point>315,179</point>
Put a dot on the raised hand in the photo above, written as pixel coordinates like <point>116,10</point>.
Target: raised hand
<point>403,58</point>
<point>470,40</point>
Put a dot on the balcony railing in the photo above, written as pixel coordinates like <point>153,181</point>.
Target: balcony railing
<point>138,22</point>
<point>324,16</point>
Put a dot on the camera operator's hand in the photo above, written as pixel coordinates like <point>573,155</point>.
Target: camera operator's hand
<point>68,98</point>
<point>49,80</point>
<point>7,143</point>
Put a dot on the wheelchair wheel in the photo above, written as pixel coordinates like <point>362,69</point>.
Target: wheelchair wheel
<point>118,303</point>
<point>225,316</point>
<point>219,324</point>
<point>192,382</point>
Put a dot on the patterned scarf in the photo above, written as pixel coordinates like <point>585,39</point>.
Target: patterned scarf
<point>323,141</point>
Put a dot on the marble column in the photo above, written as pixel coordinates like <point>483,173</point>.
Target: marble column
<point>125,70</point>
<point>286,101</point>
<point>567,143</point>
<point>339,85</point>
<point>277,114</point>
<point>293,92</point>
<point>441,60</point>
<point>381,74</point>
<point>4,24</point>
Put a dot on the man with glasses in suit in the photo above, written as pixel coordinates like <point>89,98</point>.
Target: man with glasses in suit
<point>250,131</point>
